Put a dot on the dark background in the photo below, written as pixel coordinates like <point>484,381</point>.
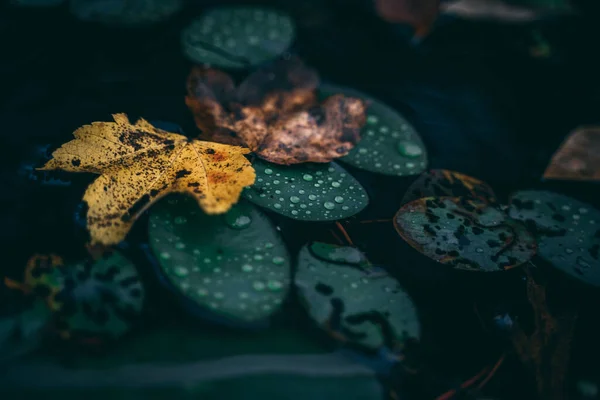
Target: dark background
<point>483,105</point>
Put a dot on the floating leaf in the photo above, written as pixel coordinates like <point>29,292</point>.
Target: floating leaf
<point>139,164</point>
<point>442,183</point>
<point>238,37</point>
<point>129,12</point>
<point>307,192</point>
<point>356,304</point>
<point>464,233</point>
<point>568,231</point>
<point>389,145</point>
<point>234,266</point>
<point>578,158</point>
<point>274,113</point>
<point>101,297</point>
<point>420,15</point>
<point>89,298</point>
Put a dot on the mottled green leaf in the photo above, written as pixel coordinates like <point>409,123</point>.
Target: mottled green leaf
<point>353,301</point>
<point>464,233</point>
<point>307,192</point>
<point>389,145</point>
<point>568,231</point>
<point>99,297</point>
<point>232,267</point>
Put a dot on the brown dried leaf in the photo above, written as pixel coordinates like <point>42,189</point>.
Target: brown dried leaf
<point>139,164</point>
<point>578,158</point>
<point>274,112</point>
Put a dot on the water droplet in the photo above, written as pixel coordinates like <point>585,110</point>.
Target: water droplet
<point>236,219</point>
<point>274,285</point>
<point>219,295</point>
<point>372,119</point>
<point>181,271</point>
<point>339,199</point>
<point>165,256</point>
<point>354,285</point>
<point>566,208</point>
<point>568,251</point>
<point>180,220</point>
<point>277,205</point>
<point>295,199</point>
<point>307,177</point>
<point>268,171</point>
<point>479,250</point>
<point>278,260</point>
<point>335,184</point>
<point>269,245</point>
<point>276,182</point>
<point>278,192</point>
<point>243,295</point>
<point>301,191</point>
<point>247,268</point>
<point>409,149</point>
<point>312,197</point>
<point>258,257</point>
<point>179,246</point>
<point>582,263</point>
<point>362,151</point>
<point>202,292</point>
<point>329,205</point>
<point>207,261</point>
<point>258,285</point>
<point>294,212</point>
<point>345,208</point>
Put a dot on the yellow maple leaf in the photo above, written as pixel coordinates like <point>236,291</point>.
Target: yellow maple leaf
<point>139,163</point>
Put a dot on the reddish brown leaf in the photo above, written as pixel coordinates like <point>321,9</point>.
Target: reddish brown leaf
<point>274,112</point>
<point>420,14</point>
<point>578,158</point>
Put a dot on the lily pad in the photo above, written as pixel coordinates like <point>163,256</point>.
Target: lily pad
<point>466,234</point>
<point>442,182</point>
<point>99,298</point>
<point>307,192</point>
<point>234,267</point>
<point>389,145</point>
<point>357,304</point>
<point>568,231</point>
<point>238,37</point>
<point>127,13</point>
<point>88,299</point>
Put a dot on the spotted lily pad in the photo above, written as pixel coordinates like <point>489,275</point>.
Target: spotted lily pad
<point>124,12</point>
<point>353,301</point>
<point>464,233</point>
<point>307,192</point>
<point>238,37</point>
<point>442,182</point>
<point>233,268</point>
<point>99,298</point>
<point>568,231</point>
<point>88,299</point>
<point>389,145</point>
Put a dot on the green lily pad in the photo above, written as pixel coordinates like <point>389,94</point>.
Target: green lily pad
<point>307,192</point>
<point>357,304</point>
<point>232,267</point>
<point>99,298</point>
<point>568,231</point>
<point>238,37</point>
<point>442,182</point>
<point>464,233</point>
<point>127,13</point>
<point>389,145</point>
